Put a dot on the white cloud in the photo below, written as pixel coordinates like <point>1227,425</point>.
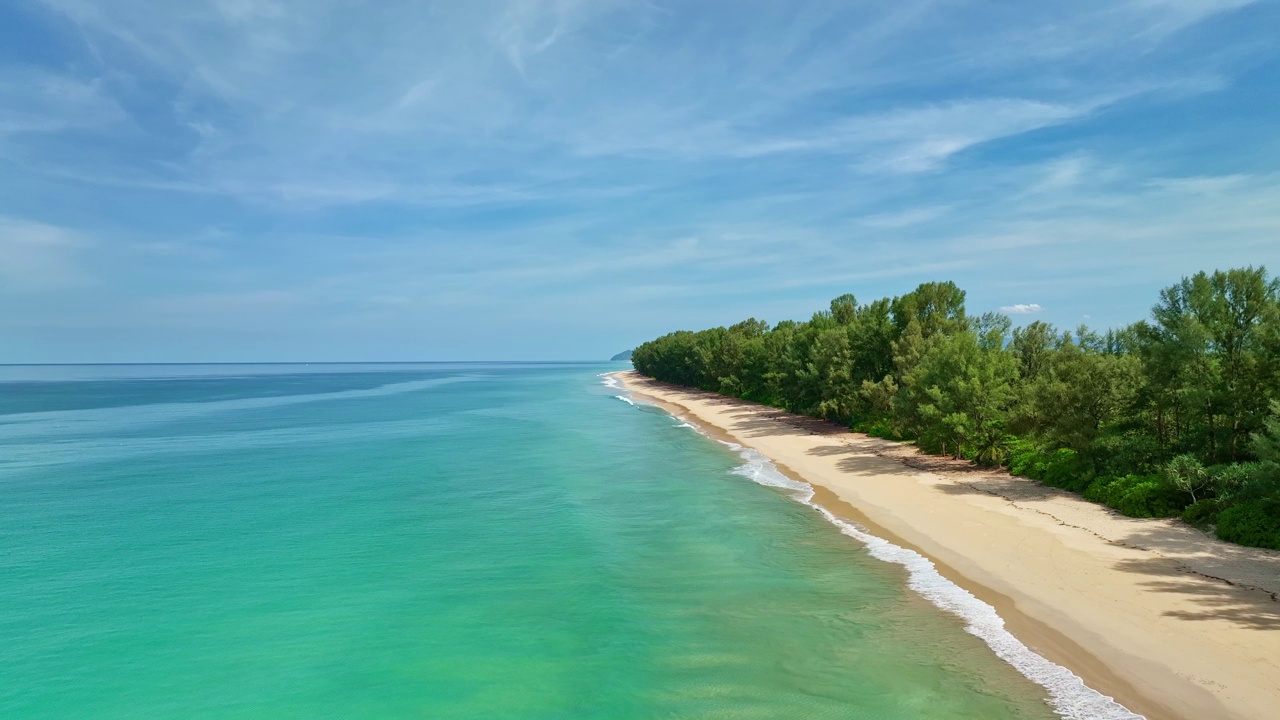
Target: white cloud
<point>436,93</point>
<point>1021,309</point>
<point>911,138</point>
<point>534,150</point>
<point>922,138</point>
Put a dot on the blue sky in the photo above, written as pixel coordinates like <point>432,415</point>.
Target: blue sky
<point>222,180</point>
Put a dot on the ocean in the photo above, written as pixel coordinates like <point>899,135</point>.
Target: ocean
<point>471,541</point>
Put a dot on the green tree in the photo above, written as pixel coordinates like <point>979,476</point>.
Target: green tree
<point>1208,362</point>
<point>959,396</point>
<point>938,308</point>
<point>1032,345</point>
<point>1129,416</point>
<point>1076,395</point>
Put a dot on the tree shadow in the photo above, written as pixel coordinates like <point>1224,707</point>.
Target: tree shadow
<point>1215,598</point>
<point>1224,581</point>
<point>970,478</point>
<point>1008,487</point>
<point>833,450</point>
<point>1206,555</point>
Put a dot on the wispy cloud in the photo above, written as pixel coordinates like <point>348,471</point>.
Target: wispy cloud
<point>456,87</point>
<point>1170,16</point>
<point>1021,309</point>
<point>604,162</point>
<point>906,140</point>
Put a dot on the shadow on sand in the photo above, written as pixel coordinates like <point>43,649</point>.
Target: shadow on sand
<point>1226,582</point>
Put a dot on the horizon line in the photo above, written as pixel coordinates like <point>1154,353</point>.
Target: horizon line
<point>309,362</point>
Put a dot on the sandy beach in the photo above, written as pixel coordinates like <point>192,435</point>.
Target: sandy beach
<point>1172,623</point>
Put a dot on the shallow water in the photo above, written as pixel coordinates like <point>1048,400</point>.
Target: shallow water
<point>435,541</point>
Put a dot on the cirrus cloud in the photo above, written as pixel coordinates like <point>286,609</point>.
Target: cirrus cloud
<point>1021,309</point>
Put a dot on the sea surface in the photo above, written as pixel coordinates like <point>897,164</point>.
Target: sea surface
<point>470,541</point>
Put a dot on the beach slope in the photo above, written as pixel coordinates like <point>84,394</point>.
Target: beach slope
<point>1172,623</point>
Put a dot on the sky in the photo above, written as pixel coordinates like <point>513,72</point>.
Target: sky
<point>278,180</point>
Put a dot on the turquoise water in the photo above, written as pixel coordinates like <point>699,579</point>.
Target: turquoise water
<point>434,541</point>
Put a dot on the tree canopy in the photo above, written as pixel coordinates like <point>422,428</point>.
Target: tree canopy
<point>1175,415</point>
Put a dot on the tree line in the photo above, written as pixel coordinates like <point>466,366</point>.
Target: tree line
<point>1177,415</point>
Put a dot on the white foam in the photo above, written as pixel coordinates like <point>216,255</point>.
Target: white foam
<point>1069,697</point>
<point>612,383</point>
<point>1068,694</point>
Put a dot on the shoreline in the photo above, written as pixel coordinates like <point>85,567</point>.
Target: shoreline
<point>1171,623</point>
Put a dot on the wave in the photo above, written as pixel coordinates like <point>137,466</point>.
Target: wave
<point>1069,696</point>
<point>611,382</point>
<point>61,423</point>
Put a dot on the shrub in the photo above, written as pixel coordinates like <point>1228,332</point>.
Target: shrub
<point>879,427</point>
<point>1065,468</point>
<point>1149,498</point>
<point>1255,523</point>
<point>1202,513</point>
<point>1025,458</point>
<point>1097,490</point>
<point>1135,495</point>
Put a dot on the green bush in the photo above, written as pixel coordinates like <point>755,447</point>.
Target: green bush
<point>1202,513</point>
<point>1149,498</point>
<point>1065,468</point>
<point>1141,496</point>
<point>1097,490</point>
<point>879,427</point>
<point>1255,523</point>
<point>1025,458</point>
